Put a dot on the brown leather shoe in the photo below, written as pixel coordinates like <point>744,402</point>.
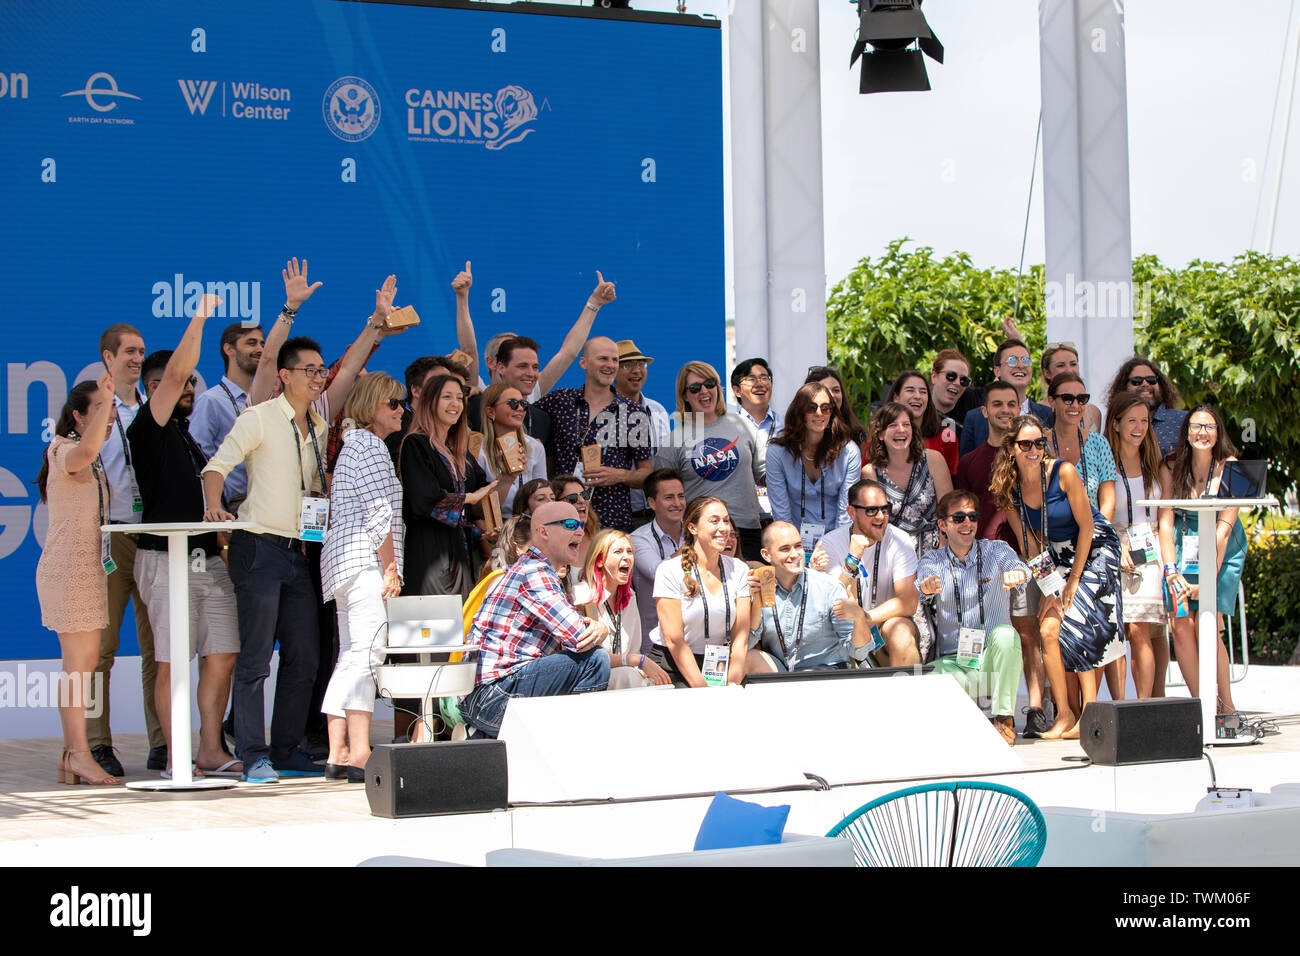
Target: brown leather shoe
<point>1006,726</point>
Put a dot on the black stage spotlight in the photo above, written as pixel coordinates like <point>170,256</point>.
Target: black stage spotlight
<point>893,29</point>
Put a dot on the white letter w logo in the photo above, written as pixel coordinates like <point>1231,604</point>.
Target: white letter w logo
<point>198,93</point>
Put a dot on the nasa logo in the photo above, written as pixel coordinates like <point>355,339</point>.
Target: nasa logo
<point>351,108</point>
<point>93,93</point>
<point>714,459</point>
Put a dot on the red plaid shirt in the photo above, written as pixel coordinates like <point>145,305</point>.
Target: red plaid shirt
<point>526,615</point>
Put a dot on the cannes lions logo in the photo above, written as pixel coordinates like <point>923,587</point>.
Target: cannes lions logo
<point>515,113</point>
<point>351,108</point>
<point>715,459</point>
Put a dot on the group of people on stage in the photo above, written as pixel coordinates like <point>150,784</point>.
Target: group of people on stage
<point>599,542</point>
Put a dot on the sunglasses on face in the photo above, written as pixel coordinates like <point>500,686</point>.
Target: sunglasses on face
<point>954,377</point>
<point>1011,361</point>
<point>395,403</point>
<point>568,524</point>
<point>709,383</point>
<point>961,517</point>
<point>1137,380</point>
<point>872,510</point>
<point>583,495</point>
<point>1025,444</point>
<point>516,404</point>
<point>1068,399</point>
<point>821,408</point>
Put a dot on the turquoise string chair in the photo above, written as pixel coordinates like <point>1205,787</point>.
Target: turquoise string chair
<point>966,823</point>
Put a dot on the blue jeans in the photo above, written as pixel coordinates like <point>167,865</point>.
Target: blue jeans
<point>566,672</point>
<point>275,604</point>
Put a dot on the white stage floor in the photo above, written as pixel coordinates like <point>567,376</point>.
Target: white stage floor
<point>315,822</point>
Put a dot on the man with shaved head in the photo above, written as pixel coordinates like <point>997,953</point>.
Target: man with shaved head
<point>534,643</point>
<point>596,415</point>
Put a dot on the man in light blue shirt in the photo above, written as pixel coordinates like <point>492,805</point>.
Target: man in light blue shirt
<point>217,408</point>
<point>969,581</point>
<point>813,623</point>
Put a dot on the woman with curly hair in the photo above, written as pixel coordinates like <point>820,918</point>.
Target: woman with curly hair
<point>1074,555</point>
<point>914,477</point>
<point>810,465</point>
<point>702,597</point>
<point>1194,470</point>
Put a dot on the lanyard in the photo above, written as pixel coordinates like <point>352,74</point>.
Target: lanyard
<point>230,395</point>
<point>1042,512</point>
<point>659,542</point>
<point>875,575</point>
<point>101,479</point>
<point>1128,492</point>
<point>618,627</point>
<point>126,445</point>
<point>798,634</point>
<point>297,445</point>
<point>803,487</point>
<point>1182,515</point>
<point>704,599</point>
<point>1083,459</point>
<point>979,586</point>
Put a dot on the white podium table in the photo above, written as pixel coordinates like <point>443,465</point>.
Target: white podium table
<point>178,583</point>
<point>1206,624</point>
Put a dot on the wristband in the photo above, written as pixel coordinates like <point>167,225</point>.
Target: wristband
<point>1170,569</point>
<point>852,564</point>
<point>593,305</point>
<point>288,311</point>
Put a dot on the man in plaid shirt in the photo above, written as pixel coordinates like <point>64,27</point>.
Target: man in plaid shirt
<point>534,642</point>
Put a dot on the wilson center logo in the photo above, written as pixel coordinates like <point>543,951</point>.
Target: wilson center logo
<point>238,100</point>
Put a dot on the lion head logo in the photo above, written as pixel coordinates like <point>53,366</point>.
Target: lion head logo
<point>515,110</point>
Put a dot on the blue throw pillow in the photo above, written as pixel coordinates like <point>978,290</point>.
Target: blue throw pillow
<point>730,822</point>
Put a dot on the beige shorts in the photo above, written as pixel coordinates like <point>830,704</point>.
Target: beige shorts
<point>213,626</point>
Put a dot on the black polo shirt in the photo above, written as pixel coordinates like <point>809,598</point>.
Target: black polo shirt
<point>168,463</point>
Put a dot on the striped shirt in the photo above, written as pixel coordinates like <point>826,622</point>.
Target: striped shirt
<point>526,615</point>
<point>994,560</point>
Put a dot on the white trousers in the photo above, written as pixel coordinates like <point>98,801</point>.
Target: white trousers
<point>361,637</point>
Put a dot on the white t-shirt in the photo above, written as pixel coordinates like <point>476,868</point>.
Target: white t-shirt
<point>670,582</point>
<point>629,624</point>
<point>897,560</point>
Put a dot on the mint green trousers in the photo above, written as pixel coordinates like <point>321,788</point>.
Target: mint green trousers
<point>998,674</point>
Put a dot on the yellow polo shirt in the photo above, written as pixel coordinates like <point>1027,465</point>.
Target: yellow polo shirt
<point>262,439</point>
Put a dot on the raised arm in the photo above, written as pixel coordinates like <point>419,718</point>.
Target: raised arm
<point>354,359</point>
<point>182,363</point>
<point>600,296</point>
<point>296,292</point>
<point>464,324</point>
<point>87,449</point>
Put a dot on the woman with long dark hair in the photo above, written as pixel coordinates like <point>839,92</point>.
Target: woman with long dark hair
<point>1087,451</point>
<point>441,481</point>
<point>1074,555</point>
<point>1133,443</point>
<point>1193,470</point>
<point>533,493</point>
<point>829,376</point>
<point>71,578</point>
<point>702,597</point>
<point>915,477</point>
<point>504,409</point>
<point>912,391</point>
<point>811,464</point>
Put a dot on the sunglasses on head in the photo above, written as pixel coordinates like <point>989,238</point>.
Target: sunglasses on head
<point>1024,444</point>
<point>568,524</point>
<point>515,404</point>
<point>961,517</point>
<point>694,387</point>
<point>1136,380</point>
<point>395,403</point>
<point>872,510</point>
<point>954,377</point>
<point>1069,399</point>
<point>823,371</point>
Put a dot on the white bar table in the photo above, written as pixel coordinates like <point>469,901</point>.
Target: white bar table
<point>178,583</point>
<point>1206,626</point>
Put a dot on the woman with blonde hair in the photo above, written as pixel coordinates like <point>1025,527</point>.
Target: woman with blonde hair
<point>504,409</point>
<point>360,565</point>
<point>716,453</point>
<point>1137,455</point>
<point>605,589</point>
<point>702,598</point>
<point>1074,555</point>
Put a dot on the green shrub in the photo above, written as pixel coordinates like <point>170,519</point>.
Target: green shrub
<point>1272,580</point>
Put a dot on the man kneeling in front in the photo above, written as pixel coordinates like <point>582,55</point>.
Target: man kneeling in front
<point>968,581</point>
<point>533,642</point>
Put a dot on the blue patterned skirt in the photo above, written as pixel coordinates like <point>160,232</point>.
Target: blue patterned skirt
<point>1092,632</point>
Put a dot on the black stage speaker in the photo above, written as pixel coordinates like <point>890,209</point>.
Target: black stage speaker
<point>419,780</point>
<point>1141,731</point>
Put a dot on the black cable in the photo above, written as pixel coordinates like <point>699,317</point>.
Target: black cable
<point>1214,782</point>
